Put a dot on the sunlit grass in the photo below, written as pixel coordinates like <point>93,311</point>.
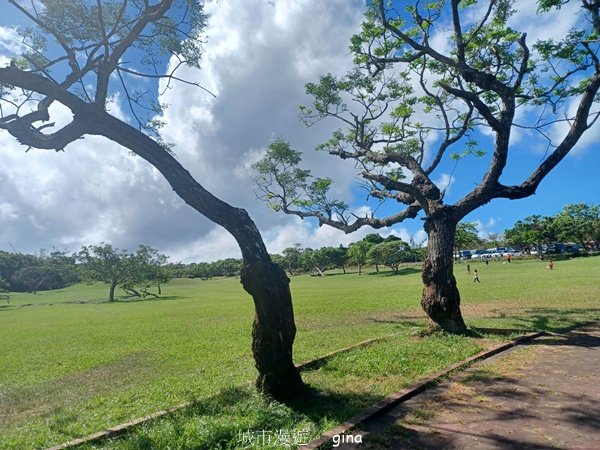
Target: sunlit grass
<point>73,364</point>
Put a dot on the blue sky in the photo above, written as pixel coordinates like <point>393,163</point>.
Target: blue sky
<point>573,181</point>
<point>258,57</point>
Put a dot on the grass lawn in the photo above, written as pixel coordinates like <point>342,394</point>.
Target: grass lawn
<point>72,364</point>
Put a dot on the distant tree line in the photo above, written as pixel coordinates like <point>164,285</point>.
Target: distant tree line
<point>577,223</point>
<point>136,273</point>
<point>142,273</point>
<point>576,226</point>
<point>32,273</point>
<point>229,267</point>
<point>372,250</point>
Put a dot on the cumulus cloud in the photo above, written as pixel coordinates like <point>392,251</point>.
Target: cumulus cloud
<point>444,182</point>
<point>258,57</point>
<point>484,228</point>
<point>10,42</point>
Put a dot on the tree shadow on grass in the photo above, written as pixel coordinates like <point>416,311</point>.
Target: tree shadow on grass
<point>555,320</point>
<point>148,299</point>
<point>391,273</point>
<point>327,275</point>
<point>406,321</point>
<point>331,406</point>
<point>239,417</point>
<point>492,409</point>
<point>574,338</point>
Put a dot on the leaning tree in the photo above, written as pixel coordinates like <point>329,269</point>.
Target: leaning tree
<point>82,53</point>
<point>432,83</point>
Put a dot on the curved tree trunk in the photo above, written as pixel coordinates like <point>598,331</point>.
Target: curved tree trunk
<point>273,330</point>
<point>441,299</point>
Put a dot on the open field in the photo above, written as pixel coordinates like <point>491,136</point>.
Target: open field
<point>72,364</point>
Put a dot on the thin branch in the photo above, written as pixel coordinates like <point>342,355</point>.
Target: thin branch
<point>106,67</point>
<point>460,45</point>
<point>129,100</point>
<point>167,76</point>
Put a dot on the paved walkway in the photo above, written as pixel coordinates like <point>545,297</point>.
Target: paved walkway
<point>540,396</point>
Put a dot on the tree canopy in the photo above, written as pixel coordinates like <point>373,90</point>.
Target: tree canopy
<point>133,272</point>
<point>405,94</point>
<point>93,50</point>
<point>414,102</point>
<point>466,235</point>
<point>578,222</point>
<point>391,254</point>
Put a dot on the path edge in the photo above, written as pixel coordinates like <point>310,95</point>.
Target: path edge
<point>396,398</point>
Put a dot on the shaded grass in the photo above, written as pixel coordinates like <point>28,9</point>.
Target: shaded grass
<point>69,369</point>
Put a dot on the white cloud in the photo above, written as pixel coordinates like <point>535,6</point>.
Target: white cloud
<point>484,228</point>
<point>10,41</point>
<point>363,211</point>
<point>214,245</point>
<point>258,57</point>
<point>444,182</point>
<point>8,212</point>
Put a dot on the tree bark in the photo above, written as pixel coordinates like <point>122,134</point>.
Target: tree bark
<point>441,299</point>
<point>273,329</point>
<point>111,293</point>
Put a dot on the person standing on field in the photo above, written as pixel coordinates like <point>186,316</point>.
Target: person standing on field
<point>476,276</point>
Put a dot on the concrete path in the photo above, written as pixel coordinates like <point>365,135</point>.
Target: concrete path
<point>545,395</point>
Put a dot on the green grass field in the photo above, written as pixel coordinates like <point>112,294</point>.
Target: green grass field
<point>72,364</point>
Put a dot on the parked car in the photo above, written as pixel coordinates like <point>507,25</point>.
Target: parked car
<point>463,254</point>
